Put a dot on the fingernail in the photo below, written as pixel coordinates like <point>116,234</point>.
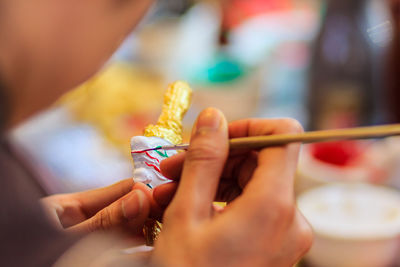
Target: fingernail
<point>132,206</point>
<point>209,120</point>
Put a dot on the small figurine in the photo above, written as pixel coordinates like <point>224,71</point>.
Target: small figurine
<point>167,131</point>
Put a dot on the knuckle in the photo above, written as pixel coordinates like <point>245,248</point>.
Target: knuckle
<point>306,237</point>
<point>254,122</point>
<point>279,213</point>
<point>173,213</point>
<point>285,210</point>
<point>204,152</point>
<point>102,220</point>
<point>291,126</point>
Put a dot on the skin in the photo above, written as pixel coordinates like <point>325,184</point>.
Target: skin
<point>124,205</point>
<point>260,226</point>
<point>48,47</point>
<point>52,46</point>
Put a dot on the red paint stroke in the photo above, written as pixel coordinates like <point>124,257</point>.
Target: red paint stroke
<point>138,152</point>
<point>154,166</point>
<point>147,153</point>
<point>148,164</point>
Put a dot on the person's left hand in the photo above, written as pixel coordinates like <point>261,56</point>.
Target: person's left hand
<point>124,205</point>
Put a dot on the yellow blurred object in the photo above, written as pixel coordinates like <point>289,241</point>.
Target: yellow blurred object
<point>121,100</point>
<point>177,100</point>
<point>221,204</point>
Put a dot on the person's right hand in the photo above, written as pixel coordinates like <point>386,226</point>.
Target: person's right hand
<point>260,226</point>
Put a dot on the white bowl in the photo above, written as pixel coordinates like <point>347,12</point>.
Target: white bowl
<point>355,225</point>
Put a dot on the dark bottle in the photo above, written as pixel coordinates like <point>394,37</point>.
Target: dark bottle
<point>341,88</point>
<point>393,81</point>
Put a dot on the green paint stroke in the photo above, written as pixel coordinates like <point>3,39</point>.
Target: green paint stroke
<point>165,155</point>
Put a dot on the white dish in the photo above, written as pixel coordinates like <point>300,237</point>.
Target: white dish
<point>354,224</point>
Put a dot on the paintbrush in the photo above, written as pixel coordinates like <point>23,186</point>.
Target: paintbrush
<point>255,142</point>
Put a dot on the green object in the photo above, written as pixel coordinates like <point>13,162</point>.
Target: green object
<point>165,155</point>
<point>224,70</point>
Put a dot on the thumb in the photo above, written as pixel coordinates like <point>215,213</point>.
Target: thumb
<point>204,162</point>
<point>130,211</point>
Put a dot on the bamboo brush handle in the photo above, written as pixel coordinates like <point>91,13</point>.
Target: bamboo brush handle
<point>317,136</point>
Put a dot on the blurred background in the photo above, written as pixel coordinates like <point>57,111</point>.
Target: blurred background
<point>328,64</point>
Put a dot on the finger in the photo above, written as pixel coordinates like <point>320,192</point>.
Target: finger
<point>159,197</point>
<point>172,167</point>
<point>237,167</point>
<point>156,211</point>
<point>272,158</point>
<point>241,167</point>
<point>275,160</point>
<point>242,163</point>
<point>276,165</point>
<point>257,127</point>
<point>94,200</point>
<point>203,166</point>
<point>130,212</point>
<point>164,194</point>
<point>270,193</point>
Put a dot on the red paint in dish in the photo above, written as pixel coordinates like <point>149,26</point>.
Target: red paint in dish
<point>342,153</point>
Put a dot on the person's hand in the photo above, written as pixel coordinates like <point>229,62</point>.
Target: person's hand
<point>260,226</point>
<point>123,205</point>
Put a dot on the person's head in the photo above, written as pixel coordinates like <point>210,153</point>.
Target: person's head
<point>48,47</point>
